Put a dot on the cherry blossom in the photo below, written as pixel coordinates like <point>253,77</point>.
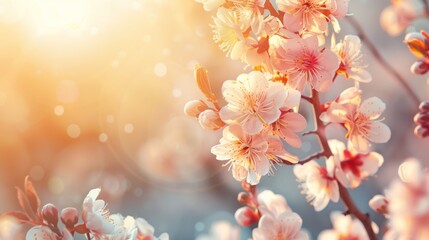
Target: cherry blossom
<point>352,167</point>
<point>278,221</point>
<point>253,101</point>
<point>318,183</point>
<point>45,233</point>
<point>408,199</point>
<point>351,59</point>
<point>360,119</point>
<point>250,156</point>
<point>398,16</point>
<point>95,215</point>
<point>312,15</point>
<point>344,228</point>
<point>304,62</point>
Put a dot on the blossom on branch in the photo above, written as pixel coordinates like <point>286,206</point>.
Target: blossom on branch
<point>344,228</point>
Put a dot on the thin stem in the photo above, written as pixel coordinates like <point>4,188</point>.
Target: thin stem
<point>326,151</point>
<point>88,236</point>
<point>273,11</point>
<point>361,33</point>
<point>308,99</point>
<point>312,157</point>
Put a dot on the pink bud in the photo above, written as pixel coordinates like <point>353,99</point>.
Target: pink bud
<point>424,106</point>
<point>421,118</point>
<point>50,214</point>
<point>69,216</point>
<point>379,204</point>
<point>244,198</point>
<point>210,120</point>
<point>421,131</point>
<point>419,67</point>
<point>193,108</point>
<point>245,216</point>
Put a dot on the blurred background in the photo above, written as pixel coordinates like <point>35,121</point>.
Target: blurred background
<point>92,95</point>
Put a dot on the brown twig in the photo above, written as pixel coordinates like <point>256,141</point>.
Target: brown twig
<point>361,33</point>
<point>269,6</point>
<point>312,157</point>
<point>326,151</point>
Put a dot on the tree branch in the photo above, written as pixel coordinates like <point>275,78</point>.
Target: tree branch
<point>269,6</point>
<point>401,80</point>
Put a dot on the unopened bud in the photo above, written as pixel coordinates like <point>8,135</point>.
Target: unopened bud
<point>421,131</point>
<point>424,106</point>
<point>420,67</point>
<point>193,108</point>
<point>210,120</point>
<point>417,43</point>
<point>50,213</point>
<point>422,118</point>
<point>69,216</point>
<point>244,198</point>
<point>379,204</point>
<point>245,216</point>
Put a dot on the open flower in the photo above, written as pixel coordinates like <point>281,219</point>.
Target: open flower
<point>250,156</point>
<point>360,119</point>
<point>253,101</point>
<point>344,228</point>
<point>352,167</point>
<point>397,17</point>
<point>351,59</point>
<point>304,63</point>
<point>408,206</point>
<point>318,183</point>
<point>95,215</point>
<point>312,15</point>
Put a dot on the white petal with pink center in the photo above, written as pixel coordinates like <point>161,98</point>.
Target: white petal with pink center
<point>253,101</point>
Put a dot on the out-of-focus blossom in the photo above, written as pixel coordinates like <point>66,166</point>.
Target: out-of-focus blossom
<point>95,215</point>
<point>379,203</point>
<point>210,5</point>
<point>351,58</point>
<point>344,228</point>
<point>210,120</point>
<point>221,230</point>
<point>278,221</point>
<point>399,15</point>
<point>361,120</point>
<point>253,101</point>
<point>312,15</point>
<point>50,214</point>
<point>45,233</point>
<point>304,63</point>
<point>317,183</point>
<point>250,156</point>
<point>352,167</point>
<point>408,206</point>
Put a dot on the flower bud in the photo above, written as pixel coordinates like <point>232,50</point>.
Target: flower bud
<point>245,216</point>
<point>193,108</point>
<point>422,118</point>
<point>424,106</point>
<point>210,120</point>
<point>421,131</point>
<point>417,43</point>
<point>419,67</point>
<point>379,204</point>
<point>69,216</point>
<point>50,214</point>
<point>244,198</point>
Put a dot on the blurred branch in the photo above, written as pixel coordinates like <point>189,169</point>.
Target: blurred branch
<point>400,79</point>
<point>426,7</point>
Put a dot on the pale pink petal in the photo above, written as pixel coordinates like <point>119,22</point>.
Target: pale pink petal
<point>359,143</point>
<point>372,107</point>
<point>253,125</point>
<point>371,163</point>
<point>293,99</point>
<point>328,235</point>
<point>360,75</point>
<point>378,132</point>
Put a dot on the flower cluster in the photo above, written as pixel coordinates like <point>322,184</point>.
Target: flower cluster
<point>96,221</point>
<point>406,203</point>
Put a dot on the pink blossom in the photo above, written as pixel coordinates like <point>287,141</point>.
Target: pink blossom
<point>360,119</point>
<point>95,215</point>
<point>352,167</point>
<point>351,59</point>
<point>304,62</point>
<point>344,228</point>
<point>408,207</point>
<point>253,101</point>
<point>318,183</point>
<point>286,225</point>
<point>272,204</point>
<point>312,15</point>
<point>397,17</point>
